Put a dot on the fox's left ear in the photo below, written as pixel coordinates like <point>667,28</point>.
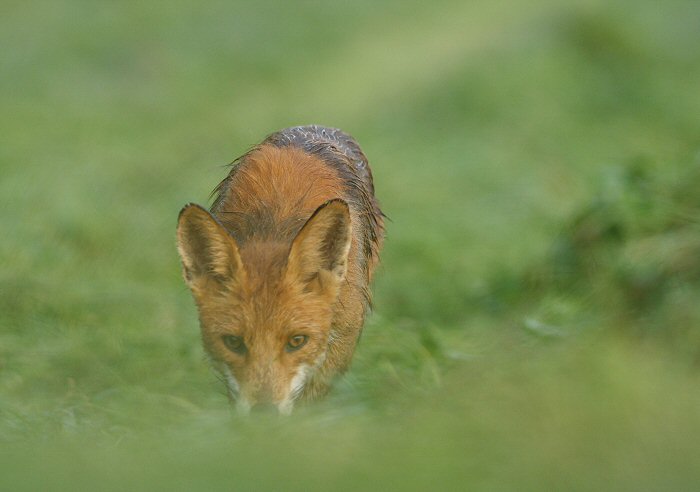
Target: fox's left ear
<point>319,253</point>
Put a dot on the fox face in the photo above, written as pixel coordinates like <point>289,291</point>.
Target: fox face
<point>266,307</point>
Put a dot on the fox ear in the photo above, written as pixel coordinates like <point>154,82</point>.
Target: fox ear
<point>319,252</point>
<point>207,250</point>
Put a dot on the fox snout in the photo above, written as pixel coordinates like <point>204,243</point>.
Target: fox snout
<point>266,396</point>
<point>264,406</point>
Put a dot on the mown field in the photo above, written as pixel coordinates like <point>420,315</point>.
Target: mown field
<point>537,312</point>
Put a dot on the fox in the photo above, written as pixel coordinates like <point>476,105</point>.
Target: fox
<point>280,267</point>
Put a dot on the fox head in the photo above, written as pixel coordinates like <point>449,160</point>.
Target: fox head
<point>266,306</point>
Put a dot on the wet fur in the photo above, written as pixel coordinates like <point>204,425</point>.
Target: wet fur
<point>289,247</point>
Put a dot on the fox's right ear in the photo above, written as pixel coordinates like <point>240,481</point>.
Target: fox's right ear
<point>207,250</point>
<point>319,252</point>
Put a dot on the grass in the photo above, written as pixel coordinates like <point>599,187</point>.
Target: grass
<point>536,322</point>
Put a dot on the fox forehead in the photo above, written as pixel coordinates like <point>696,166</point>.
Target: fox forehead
<point>265,294</point>
<point>271,309</point>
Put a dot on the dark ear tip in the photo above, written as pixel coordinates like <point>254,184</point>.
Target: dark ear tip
<point>336,204</point>
<point>189,209</point>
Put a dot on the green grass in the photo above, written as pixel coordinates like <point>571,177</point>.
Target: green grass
<point>536,323</point>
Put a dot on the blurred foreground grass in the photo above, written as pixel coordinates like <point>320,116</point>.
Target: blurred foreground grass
<point>536,325</point>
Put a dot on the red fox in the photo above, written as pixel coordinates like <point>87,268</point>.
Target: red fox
<point>280,267</point>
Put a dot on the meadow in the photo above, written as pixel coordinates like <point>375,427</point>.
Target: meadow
<point>536,322</point>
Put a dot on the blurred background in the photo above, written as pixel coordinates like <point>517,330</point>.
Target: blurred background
<point>536,323</point>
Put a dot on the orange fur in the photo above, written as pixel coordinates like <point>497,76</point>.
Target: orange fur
<point>288,251</point>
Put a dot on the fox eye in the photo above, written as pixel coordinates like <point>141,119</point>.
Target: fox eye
<point>235,344</point>
<point>296,342</point>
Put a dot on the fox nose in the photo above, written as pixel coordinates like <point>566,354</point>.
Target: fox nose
<point>266,408</point>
